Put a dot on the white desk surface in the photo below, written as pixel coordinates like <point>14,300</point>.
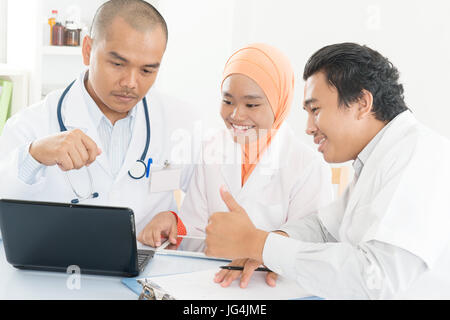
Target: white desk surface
<point>27,284</point>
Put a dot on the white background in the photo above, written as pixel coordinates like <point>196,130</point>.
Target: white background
<point>413,34</point>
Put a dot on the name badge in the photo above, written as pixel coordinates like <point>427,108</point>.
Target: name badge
<point>165,178</point>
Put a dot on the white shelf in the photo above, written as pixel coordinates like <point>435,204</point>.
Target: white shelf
<point>61,50</point>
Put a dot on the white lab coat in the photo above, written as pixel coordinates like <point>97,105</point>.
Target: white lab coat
<point>398,210</point>
<point>40,120</point>
<point>289,182</point>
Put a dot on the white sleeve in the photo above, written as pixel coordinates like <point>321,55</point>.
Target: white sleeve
<point>371,270</point>
<point>312,191</point>
<point>29,168</point>
<point>19,177</point>
<point>194,210</point>
<point>308,229</point>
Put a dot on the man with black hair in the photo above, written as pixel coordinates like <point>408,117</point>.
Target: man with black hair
<point>387,236</point>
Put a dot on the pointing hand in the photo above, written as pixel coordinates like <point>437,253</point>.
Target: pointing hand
<point>69,150</point>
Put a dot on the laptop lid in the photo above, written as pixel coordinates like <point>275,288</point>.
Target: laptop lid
<point>54,236</point>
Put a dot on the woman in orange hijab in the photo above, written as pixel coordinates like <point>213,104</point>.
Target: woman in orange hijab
<point>264,71</point>
<point>258,159</point>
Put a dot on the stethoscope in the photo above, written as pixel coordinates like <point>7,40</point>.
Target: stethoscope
<point>140,168</point>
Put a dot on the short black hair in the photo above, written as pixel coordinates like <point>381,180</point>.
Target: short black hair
<point>351,67</point>
<point>139,14</point>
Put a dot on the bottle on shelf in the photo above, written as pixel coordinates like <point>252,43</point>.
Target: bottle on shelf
<point>52,22</point>
<point>72,34</point>
<point>58,33</point>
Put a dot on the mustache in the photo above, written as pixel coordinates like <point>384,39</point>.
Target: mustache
<point>125,93</point>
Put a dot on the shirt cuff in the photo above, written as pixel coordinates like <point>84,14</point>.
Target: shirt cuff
<point>181,229</point>
<point>279,254</point>
<point>29,168</point>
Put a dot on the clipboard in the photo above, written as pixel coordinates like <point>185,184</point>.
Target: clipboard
<point>199,285</point>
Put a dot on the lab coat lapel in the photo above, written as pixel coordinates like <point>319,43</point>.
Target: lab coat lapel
<point>75,115</point>
<point>269,164</point>
<point>231,165</point>
<point>400,124</point>
<point>232,174</point>
<point>257,181</point>
<point>137,143</point>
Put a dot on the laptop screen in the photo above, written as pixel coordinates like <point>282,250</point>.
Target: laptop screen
<point>55,236</point>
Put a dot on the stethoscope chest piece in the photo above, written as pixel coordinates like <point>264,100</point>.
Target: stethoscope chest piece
<point>138,171</point>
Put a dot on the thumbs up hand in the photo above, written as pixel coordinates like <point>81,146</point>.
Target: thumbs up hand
<point>232,234</point>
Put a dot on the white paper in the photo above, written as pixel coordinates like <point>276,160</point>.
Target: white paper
<point>201,286</point>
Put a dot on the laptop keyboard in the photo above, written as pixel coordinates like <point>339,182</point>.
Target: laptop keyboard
<point>144,257</point>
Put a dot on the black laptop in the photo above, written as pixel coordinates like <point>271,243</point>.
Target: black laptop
<point>53,236</point>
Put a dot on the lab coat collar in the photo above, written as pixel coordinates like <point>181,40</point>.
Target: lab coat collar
<point>270,163</point>
<point>137,143</point>
<point>94,111</point>
<point>358,164</point>
<point>76,116</point>
<point>396,128</point>
<point>74,109</point>
<point>230,165</point>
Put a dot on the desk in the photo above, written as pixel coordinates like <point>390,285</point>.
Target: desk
<point>27,284</point>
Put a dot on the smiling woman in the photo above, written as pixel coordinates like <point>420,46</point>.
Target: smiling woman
<point>260,81</point>
<point>245,109</point>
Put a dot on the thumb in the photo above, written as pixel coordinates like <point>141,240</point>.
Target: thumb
<point>229,200</point>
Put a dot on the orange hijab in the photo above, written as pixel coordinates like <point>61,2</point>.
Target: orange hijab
<point>273,73</point>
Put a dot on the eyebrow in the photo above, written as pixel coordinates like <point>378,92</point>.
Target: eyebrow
<point>250,96</point>
<point>308,102</point>
<point>119,57</point>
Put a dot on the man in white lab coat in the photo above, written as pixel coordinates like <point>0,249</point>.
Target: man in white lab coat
<point>105,117</point>
<point>387,236</point>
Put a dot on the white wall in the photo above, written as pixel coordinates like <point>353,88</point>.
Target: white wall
<point>200,39</point>
<point>413,34</point>
<point>3,17</point>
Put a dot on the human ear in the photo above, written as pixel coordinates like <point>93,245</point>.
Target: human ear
<point>86,50</point>
<point>365,104</point>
